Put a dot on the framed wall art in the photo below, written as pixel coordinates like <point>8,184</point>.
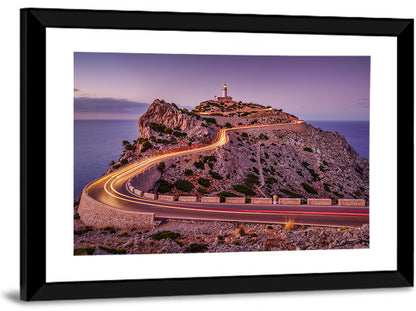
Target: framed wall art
<point>188,153</point>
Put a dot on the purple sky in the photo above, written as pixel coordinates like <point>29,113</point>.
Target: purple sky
<point>118,85</point>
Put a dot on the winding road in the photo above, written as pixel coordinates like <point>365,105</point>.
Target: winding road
<point>111,190</point>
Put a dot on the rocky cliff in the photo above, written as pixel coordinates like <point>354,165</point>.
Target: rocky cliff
<point>164,118</point>
<point>164,127</point>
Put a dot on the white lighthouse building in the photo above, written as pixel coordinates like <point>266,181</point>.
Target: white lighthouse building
<point>224,90</point>
<point>225,98</point>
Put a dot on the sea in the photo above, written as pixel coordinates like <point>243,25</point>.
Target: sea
<point>98,142</point>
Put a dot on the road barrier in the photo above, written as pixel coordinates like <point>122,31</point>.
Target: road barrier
<point>235,200</point>
<point>351,202</point>
<point>261,201</point>
<point>148,195</point>
<point>138,192</point>
<point>169,198</point>
<point>289,201</point>
<point>324,202</point>
<point>210,199</point>
<point>187,199</point>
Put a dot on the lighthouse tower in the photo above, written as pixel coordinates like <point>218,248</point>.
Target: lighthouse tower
<point>225,98</point>
<point>224,90</point>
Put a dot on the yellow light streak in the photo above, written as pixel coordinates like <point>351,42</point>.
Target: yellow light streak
<point>139,167</point>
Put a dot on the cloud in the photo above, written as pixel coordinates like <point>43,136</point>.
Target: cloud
<point>108,105</point>
<point>76,90</point>
<point>363,103</point>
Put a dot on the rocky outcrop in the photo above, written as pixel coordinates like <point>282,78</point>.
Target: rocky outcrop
<point>164,127</point>
<point>176,120</point>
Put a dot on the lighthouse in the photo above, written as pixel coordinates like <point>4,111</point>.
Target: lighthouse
<point>225,98</point>
<point>224,90</point>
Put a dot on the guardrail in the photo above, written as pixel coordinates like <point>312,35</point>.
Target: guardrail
<point>242,200</point>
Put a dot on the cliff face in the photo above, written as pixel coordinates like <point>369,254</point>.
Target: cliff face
<point>171,117</point>
<point>165,127</point>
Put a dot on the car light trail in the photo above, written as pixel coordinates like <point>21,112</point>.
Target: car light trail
<point>124,174</point>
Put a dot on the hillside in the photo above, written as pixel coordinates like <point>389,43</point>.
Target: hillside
<point>288,161</point>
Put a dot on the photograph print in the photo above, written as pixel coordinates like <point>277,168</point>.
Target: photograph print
<point>177,153</point>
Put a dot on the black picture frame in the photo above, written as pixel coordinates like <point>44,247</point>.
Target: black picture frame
<point>34,22</point>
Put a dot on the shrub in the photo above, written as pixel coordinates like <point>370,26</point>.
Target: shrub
<point>309,188</point>
<point>82,230</point>
<point>291,194</point>
<point>123,161</point>
<point>228,125</point>
<point>215,175</point>
<point>127,145</point>
<point>210,120</point>
<point>146,146</point>
<point>141,140</point>
<point>210,158</point>
<point>165,235</point>
<point>195,248</point>
<point>305,164</point>
<point>307,149</point>
<point>158,127</point>
<point>226,194</point>
<point>251,179</point>
<point>109,229</point>
<point>299,172</point>
<point>204,182</point>
<point>263,136</point>
<point>161,166</point>
<point>202,191</point>
<point>326,187</point>
<point>179,134</point>
<point>290,224</point>
<point>240,230</point>
<point>244,135</point>
<point>89,250</point>
<point>325,163</point>
<point>183,185</point>
<point>314,175</point>
<point>339,195</point>
<point>199,165</point>
<point>253,160</point>
<point>164,186</point>
<point>271,180</point>
<point>112,250</point>
<point>243,189</point>
<point>189,172</point>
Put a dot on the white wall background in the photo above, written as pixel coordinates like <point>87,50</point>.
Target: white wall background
<point>386,299</point>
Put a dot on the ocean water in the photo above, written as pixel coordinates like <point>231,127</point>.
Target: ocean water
<point>356,133</point>
<point>97,142</point>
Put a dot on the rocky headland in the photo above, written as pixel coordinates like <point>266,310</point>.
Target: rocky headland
<point>292,160</point>
<point>260,162</point>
